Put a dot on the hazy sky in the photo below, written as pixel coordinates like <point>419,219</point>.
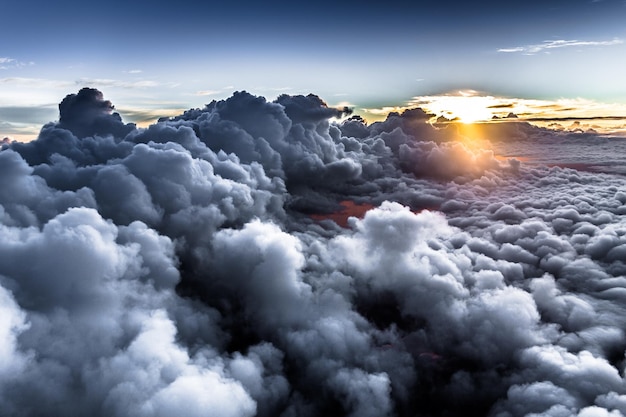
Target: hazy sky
<point>157,56</point>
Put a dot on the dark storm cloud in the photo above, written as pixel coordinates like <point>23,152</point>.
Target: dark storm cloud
<point>301,109</point>
<point>175,270</point>
<point>87,113</point>
<point>297,147</point>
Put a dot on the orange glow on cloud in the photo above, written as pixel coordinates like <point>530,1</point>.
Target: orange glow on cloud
<point>502,158</point>
<point>353,209</point>
<point>472,136</point>
<point>350,209</point>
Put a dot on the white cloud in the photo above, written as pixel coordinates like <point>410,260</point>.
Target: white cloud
<point>37,82</point>
<point>9,63</point>
<point>207,92</point>
<point>145,116</point>
<point>105,82</point>
<point>560,43</point>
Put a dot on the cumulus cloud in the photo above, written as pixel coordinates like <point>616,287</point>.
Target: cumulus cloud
<point>87,113</point>
<point>256,258</point>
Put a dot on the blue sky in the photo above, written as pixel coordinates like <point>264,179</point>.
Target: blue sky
<point>152,58</point>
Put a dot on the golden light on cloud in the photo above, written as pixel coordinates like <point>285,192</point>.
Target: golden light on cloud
<point>143,117</point>
<point>470,106</point>
<point>471,135</point>
<point>466,106</point>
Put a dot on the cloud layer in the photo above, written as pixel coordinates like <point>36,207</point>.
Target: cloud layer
<point>194,268</point>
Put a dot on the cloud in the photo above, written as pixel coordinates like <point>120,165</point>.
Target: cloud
<point>546,46</point>
<point>105,82</point>
<point>195,266</point>
<point>486,108</point>
<point>501,106</point>
<point>10,63</point>
<point>207,92</point>
<point>15,129</point>
<point>87,113</point>
<point>27,114</point>
<point>36,82</point>
<point>143,116</point>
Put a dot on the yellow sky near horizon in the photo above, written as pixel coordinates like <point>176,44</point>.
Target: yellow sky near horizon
<point>465,106</point>
<point>469,106</point>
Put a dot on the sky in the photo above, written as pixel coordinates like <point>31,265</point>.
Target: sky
<point>268,252</point>
<point>157,59</point>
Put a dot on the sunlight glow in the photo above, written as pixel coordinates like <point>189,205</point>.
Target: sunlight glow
<point>468,112</point>
<point>470,106</point>
<point>466,106</point>
<point>472,136</point>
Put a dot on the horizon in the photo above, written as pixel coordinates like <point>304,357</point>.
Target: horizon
<point>158,61</point>
<point>463,106</point>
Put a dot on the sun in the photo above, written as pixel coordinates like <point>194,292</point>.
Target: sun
<point>470,112</point>
<point>465,106</point>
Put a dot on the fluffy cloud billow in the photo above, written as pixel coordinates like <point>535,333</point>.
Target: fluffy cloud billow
<point>202,266</point>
